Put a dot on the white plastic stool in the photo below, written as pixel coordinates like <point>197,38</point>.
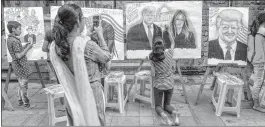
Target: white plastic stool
<point>140,88</point>
<point>55,91</point>
<point>119,85</point>
<point>227,81</point>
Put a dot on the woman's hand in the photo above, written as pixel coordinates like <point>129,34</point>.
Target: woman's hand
<point>29,46</point>
<point>99,29</point>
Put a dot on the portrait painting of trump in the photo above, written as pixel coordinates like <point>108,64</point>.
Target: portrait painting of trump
<point>229,44</point>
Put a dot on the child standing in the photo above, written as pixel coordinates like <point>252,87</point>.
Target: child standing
<point>163,82</point>
<point>19,61</point>
<point>258,60</point>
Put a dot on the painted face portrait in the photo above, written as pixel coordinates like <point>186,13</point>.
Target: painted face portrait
<point>179,20</point>
<point>148,14</point>
<point>149,17</point>
<point>228,31</point>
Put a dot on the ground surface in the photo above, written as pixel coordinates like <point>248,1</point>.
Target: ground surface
<point>136,113</point>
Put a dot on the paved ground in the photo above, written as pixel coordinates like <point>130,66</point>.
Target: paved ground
<point>137,113</point>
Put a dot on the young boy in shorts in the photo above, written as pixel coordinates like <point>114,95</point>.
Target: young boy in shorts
<point>20,64</point>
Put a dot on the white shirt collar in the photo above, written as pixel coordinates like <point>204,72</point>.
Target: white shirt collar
<point>223,46</point>
<point>146,28</point>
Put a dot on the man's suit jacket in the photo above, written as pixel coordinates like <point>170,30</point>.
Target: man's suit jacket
<point>137,38</point>
<point>215,51</point>
<point>26,38</point>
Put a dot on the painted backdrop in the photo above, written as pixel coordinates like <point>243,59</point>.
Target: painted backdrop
<point>112,17</point>
<point>228,29</point>
<point>161,13</point>
<point>31,19</point>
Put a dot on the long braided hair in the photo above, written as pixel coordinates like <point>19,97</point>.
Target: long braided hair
<point>67,16</point>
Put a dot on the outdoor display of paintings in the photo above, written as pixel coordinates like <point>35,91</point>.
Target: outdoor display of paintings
<point>112,23</point>
<point>145,21</point>
<point>182,17</point>
<point>228,29</point>
<point>32,27</point>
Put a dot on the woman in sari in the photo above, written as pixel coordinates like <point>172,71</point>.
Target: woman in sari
<point>67,31</point>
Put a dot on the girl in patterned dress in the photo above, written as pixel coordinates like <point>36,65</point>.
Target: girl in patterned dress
<point>19,61</point>
<point>163,82</point>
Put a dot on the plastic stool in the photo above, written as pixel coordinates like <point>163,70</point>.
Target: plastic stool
<point>55,91</point>
<point>118,83</point>
<point>139,92</point>
<point>227,81</point>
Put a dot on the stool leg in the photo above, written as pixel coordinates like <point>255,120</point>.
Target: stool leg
<point>152,96</point>
<point>111,92</point>
<point>238,105</point>
<point>219,97</point>
<point>215,95</point>
<point>152,93</point>
<point>135,89</point>
<point>119,99</point>
<point>221,102</point>
<point>51,111</point>
<point>106,90</point>
<point>122,95</point>
<point>142,87</point>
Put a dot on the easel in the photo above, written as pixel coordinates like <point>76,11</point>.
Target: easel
<point>210,70</point>
<point>5,89</point>
<point>182,82</point>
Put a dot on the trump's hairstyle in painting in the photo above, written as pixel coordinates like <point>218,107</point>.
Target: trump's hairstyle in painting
<point>148,10</point>
<point>229,15</point>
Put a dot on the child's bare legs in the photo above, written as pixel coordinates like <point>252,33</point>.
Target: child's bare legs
<point>167,107</point>
<point>20,102</point>
<point>258,72</point>
<point>158,94</point>
<point>23,92</point>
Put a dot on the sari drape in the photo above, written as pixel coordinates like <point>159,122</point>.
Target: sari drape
<point>78,91</point>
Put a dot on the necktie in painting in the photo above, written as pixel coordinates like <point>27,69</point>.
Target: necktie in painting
<point>150,36</point>
<point>228,54</point>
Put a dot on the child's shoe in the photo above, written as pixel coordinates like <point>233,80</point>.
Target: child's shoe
<point>176,119</point>
<point>20,102</point>
<point>28,106</point>
<point>166,119</point>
